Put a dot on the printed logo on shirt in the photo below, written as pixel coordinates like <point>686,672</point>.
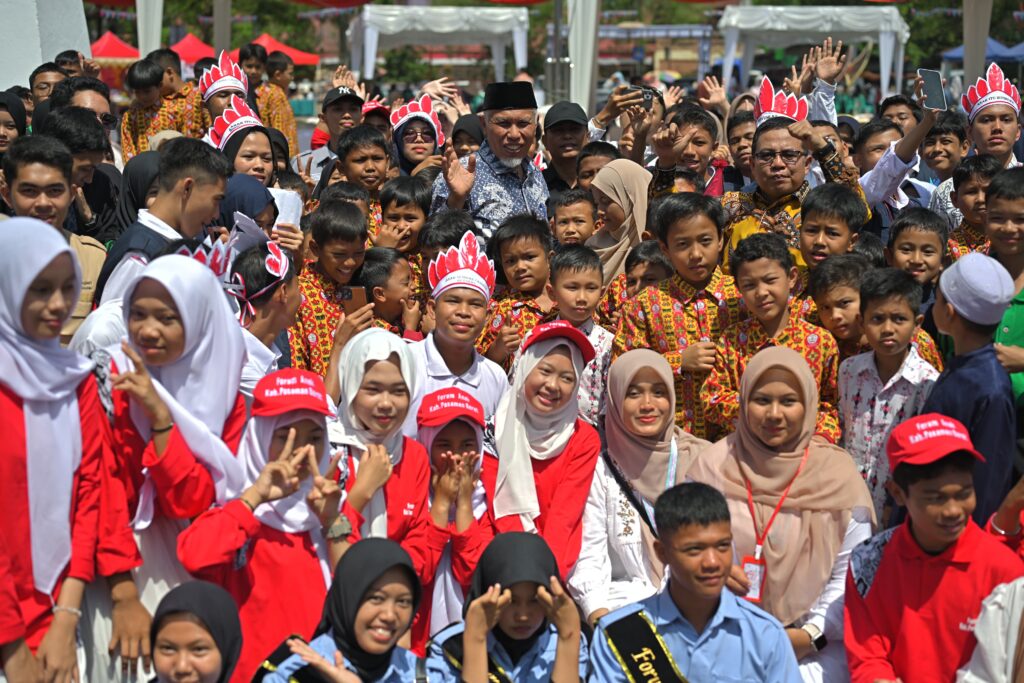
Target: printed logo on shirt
<point>812,339</point>
<point>498,319</point>
<point>410,509</point>
<point>968,625</point>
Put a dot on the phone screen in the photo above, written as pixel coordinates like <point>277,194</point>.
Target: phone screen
<point>933,91</point>
<point>352,298</point>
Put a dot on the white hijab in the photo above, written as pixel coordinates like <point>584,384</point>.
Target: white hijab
<point>46,378</point>
<point>291,514</point>
<point>521,434</point>
<point>368,346</point>
<point>205,378</point>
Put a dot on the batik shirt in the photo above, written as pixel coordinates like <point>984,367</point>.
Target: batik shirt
<point>498,192</point>
<point>965,239</point>
<point>668,319</point>
<point>614,299</point>
<point>311,338</point>
<point>741,342</point>
<point>801,303</point>
<point>138,123</point>
<point>190,116</point>
<point>276,112</point>
<point>510,308</point>
<point>870,409</point>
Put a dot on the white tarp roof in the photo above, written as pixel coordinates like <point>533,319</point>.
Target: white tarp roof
<point>750,27</point>
<point>383,27</point>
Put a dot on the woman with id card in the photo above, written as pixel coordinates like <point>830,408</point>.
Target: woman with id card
<point>798,508</point>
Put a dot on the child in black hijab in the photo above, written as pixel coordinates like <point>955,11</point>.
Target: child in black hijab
<point>369,607</point>
<point>196,631</point>
<point>518,607</point>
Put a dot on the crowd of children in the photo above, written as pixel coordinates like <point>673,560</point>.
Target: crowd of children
<point>725,391</point>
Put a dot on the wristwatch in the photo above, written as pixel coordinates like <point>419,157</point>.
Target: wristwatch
<point>340,529</point>
<point>818,639</point>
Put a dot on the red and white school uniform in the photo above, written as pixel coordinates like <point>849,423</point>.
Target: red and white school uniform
<point>273,561</point>
<point>539,478</point>
<point>53,445</point>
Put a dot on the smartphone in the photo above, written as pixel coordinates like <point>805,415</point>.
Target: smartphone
<point>647,93</point>
<point>352,298</point>
<point>933,90</point>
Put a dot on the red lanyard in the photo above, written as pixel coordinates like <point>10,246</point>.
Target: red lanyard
<point>759,539</point>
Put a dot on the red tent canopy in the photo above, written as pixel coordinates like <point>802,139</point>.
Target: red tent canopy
<point>109,46</point>
<point>192,49</point>
<point>272,44</point>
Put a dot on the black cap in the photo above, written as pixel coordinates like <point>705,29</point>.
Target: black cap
<point>850,121</point>
<point>341,93</point>
<point>565,112</point>
<point>509,95</point>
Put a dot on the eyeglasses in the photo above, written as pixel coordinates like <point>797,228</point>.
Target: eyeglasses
<point>418,134</point>
<point>789,156</point>
<point>108,120</point>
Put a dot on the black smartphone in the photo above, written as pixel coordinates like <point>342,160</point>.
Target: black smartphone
<point>647,93</point>
<point>933,91</point>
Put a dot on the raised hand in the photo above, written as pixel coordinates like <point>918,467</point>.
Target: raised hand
<point>440,89</point>
<point>138,383</point>
<point>484,612</point>
<point>288,237</point>
<point>458,177</point>
<point>460,105</point>
<point>716,98</point>
<point>506,343</point>
<point>374,468</point>
<point>559,607</point>
<point>672,96</point>
<point>325,496</point>
<point>336,673</point>
<point>411,314</point>
<point>349,325</point>
<point>830,61</point>
<point>390,235</point>
<point>446,481</point>
<point>621,99</point>
<point>669,143</point>
<point>343,77</point>
<point>811,139</point>
<point>81,205</point>
<point>279,478</point>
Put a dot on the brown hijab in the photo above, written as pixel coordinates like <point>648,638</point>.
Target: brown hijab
<point>802,545</point>
<point>644,461</point>
<point>625,182</point>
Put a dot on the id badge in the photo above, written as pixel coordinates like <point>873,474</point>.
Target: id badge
<point>755,571</point>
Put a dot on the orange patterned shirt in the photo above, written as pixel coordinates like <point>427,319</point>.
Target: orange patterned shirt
<point>923,341</point>
<point>276,112</point>
<point>614,299</point>
<point>965,239</point>
<point>801,304</point>
<point>312,336</point>
<point>190,115</point>
<point>742,341</point>
<point>177,112</point>
<point>525,312</point>
<point>669,318</point>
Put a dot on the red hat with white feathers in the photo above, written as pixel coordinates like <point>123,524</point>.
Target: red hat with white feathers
<point>224,75</point>
<point>771,103</point>
<point>238,116</point>
<point>992,89</point>
<point>422,108</point>
<point>465,266</point>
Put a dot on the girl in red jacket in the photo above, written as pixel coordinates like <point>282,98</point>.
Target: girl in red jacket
<point>54,440</point>
<point>387,491</point>
<point>539,477</point>
<point>278,532</point>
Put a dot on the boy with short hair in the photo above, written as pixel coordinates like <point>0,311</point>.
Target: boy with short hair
<point>1004,228</point>
<point>339,245</point>
<point>340,111</point>
<point>683,316</point>
<point>573,216</point>
<point>765,275</point>
<point>694,626</point>
<point>405,202</point>
<point>913,592</point>
<point>971,179</point>
<point>883,387</point>
<point>592,158</point>
<point>645,266</point>
<point>344,191</point>
<point>181,100</point>
<point>946,144</point>
<point>272,97</point>
<point>701,129</point>
<point>388,280</point>
<point>576,286</point>
<point>740,136</point>
<point>973,294</point>
<point>43,79</point>
<point>443,230</point>
<point>363,160</point>
<point>917,244</point>
<point>146,115</point>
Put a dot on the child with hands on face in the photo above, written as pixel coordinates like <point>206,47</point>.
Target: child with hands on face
<point>388,278</point>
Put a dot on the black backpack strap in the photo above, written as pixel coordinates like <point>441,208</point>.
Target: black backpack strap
<point>641,651</point>
<point>306,674</point>
<point>453,654</point>
<point>628,491</point>
<point>421,670</point>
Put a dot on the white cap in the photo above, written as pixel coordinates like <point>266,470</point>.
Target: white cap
<point>978,288</point>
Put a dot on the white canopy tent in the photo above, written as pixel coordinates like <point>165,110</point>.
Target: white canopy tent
<point>382,27</point>
<point>745,28</point>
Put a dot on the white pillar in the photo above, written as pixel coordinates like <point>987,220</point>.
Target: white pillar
<point>34,32</point>
<point>583,19</point>
<point>221,25</point>
<point>898,65</point>
<point>749,47</point>
<point>886,47</point>
<point>370,38</point>
<point>498,57</point>
<point>732,38</point>
<point>977,21</point>
<point>150,19</point>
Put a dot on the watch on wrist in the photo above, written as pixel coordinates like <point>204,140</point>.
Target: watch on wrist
<point>818,639</point>
<point>340,530</point>
<point>826,152</point>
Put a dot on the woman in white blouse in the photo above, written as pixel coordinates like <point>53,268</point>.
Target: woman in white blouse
<point>798,508</point>
<point>644,454</point>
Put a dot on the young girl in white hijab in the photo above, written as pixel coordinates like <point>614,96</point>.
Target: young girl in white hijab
<point>50,464</point>
<point>539,477</point>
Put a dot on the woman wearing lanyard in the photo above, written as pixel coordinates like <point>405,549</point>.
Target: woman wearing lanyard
<point>798,509</point>
<point>645,453</point>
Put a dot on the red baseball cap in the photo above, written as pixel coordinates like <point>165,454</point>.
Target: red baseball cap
<point>377,105</point>
<point>926,438</point>
<point>444,405</point>
<point>561,328</point>
<point>287,390</point>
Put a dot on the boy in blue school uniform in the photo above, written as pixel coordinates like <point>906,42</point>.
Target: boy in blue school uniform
<point>692,629</point>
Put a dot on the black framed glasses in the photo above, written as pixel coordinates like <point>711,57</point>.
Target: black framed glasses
<point>418,134</point>
<point>789,156</point>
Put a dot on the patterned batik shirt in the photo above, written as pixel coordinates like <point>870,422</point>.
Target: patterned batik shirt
<point>138,123</point>
<point>191,118</point>
<point>498,192</point>
<point>311,338</point>
<point>870,409</point>
<point>965,239</point>
<point>668,319</point>
<point>595,376</point>
<point>276,112</point>
<point>801,303</point>
<point>614,299</point>
<point>741,342</point>
<point>509,308</point>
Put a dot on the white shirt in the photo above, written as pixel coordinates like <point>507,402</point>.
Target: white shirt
<point>485,381</point>
<point>997,630</point>
<point>612,569</point>
<point>882,183</point>
<point>260,361</point>
<point>135,262</point>
<point>591,393</point>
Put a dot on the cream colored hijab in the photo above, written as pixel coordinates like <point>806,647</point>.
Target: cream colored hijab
<point>799,556</point>
<point>625,182</point>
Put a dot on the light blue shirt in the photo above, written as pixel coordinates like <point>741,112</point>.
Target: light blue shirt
<point>533,667</point>
<point>741,643</point>
<point>402,669</point>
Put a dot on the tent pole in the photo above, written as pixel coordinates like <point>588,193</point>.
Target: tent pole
<point>221,25</point>
<point>556,55</point>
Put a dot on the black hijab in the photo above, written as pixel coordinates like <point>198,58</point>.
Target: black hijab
<point>406,165</point>
<point>215,609</point>
<point>279,142</point>
<point>235,143</point>
<point>513,557</point>
<point>246,195</point>
<point>138,177</point>
<point>469,123</point>
<point>363,563</point>
<point>16,108</point>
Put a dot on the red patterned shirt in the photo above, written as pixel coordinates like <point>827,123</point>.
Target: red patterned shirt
<point>312,336</point>
<point>525,312</point>
<point>669,318</point>
<point>614,299</point>
<point>801,304</point>
<point>742,341</point>
<point>190,115</point>
<point>965,239</point>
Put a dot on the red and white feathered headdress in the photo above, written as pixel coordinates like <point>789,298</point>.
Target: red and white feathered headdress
<point>238,116</point>
<point>217,257</point>
<point>466,266</point>
<point>224,75</point>
<point>993,89</point>
<point>770,104</point>
<point>276,264</point>
<point>419,109</point>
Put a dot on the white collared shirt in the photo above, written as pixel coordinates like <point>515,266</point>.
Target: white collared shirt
<point>260,361</point>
